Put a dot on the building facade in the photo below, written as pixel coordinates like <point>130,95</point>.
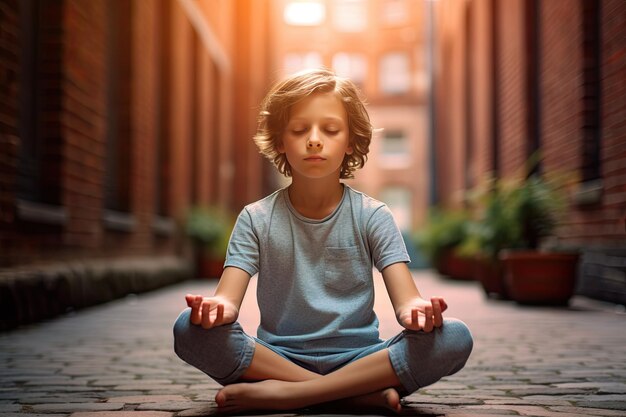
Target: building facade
<point>524,76</point>
<point>380,45</point>
<point>116,119</point>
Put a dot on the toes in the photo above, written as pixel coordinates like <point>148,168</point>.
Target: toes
<point>393,400</point>
<point>226,404</point>
<point>220,398</point>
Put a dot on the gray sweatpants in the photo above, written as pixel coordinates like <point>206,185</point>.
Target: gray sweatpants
<point>418,358</point>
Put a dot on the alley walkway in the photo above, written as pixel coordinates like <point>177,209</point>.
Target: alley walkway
<point>116,360</point>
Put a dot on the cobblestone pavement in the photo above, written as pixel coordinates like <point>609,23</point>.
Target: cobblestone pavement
<point>116,360</point>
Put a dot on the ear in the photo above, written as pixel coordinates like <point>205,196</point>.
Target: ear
<point>280,147</point>
<point>349,149</point>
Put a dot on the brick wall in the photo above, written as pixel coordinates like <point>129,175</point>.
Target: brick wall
<point>250,85</point>
<point>451,112</point>
<point>180,117</point>
<point>613,152</point>
<point>568,75</point>
<point>9,108</point>
<point>83,123</point>
<point>143,119</point>
<point>601,223</point>
<point>19,240</point>
<point>562,101</point>
<point>561,93</point>
<point>482,86</point>
<point>167,78</point>
<point>512,105</point>
<point>180,89</point>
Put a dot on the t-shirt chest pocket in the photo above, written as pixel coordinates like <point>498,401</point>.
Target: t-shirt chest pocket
<point>343,268</point>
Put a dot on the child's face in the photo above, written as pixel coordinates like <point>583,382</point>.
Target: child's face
<point>316,138</point>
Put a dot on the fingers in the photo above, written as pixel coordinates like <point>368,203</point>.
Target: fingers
<point>207,323</point>
<point>189,299</point>
<point>204,312</point>
<point>444,305</point>
<point>422,321</point>
<point>212,314</point>
<point>194,301</point>
<point>428,320</point>
<point>437,310</point>
<point>220,315</point>
<point>426,316</point>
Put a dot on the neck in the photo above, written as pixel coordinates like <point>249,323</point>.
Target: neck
<point>315,199</point>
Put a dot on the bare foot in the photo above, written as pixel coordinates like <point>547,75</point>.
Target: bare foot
<point>388,398</point>
<point>264,395</point>
<point>280,395</point>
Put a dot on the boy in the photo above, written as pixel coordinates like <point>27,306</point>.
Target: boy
<point>313,245</point>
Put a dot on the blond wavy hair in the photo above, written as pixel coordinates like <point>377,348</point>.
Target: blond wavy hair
<point>276,109</point>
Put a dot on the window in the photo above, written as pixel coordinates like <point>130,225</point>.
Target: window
<point>591,86</point>
<point>118,136</point>
<point>40,157</point>
<point>350,15</point>
<point>399,199</point>
<point>394,73</point>
<point>395,143</point>
<point>591,189</point>
<point>395,151</point>
<point>30,156</point>
<point>40,145</point>
<point>394,12</point>
<point>304,13</point>
<point>352,66</point>
<point>162,161</point>
<point>294,62</point>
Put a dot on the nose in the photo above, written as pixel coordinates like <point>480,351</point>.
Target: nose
<point>314,141</point>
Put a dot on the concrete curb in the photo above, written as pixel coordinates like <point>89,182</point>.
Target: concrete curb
<point>32,294</point>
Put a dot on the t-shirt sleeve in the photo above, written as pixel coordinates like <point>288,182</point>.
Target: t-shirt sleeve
<point>385,240</point>
<point>243,247</point>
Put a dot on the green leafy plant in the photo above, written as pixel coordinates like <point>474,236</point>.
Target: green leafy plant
<point>445,230</point>
<point>210,229</point>
<point>494,228</point>
<point>535,206</point>
<point>516,212</point>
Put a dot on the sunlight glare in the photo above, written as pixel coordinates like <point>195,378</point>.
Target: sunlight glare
<point>304,13</point>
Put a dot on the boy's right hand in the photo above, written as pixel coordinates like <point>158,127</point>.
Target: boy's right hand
<point>210,312</point>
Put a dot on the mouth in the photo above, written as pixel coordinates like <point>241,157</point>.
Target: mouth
<point>314,158</point>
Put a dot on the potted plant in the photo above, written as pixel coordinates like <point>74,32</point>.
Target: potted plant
<point>209,228</point>
<point>486,267</point>
<point>489,234</point>
<point>533,206</point>
<point>440,240</point>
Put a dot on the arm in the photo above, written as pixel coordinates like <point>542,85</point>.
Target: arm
<point>223,307</point>
<point>412,311</point>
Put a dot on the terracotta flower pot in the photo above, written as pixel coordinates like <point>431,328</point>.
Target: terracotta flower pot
<point>455,266</point>
<point>441,264</point>
<point>209,266</point>
<point>489,273</point>
<point>538,277</point>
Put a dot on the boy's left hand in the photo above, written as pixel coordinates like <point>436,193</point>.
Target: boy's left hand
<point>420,314</point>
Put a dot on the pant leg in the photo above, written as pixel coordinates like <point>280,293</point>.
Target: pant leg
<point>224,352</point>
<point>421,359</point>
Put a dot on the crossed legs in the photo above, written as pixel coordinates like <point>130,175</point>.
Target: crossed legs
<point>410,361</point>
<point>369,381</point>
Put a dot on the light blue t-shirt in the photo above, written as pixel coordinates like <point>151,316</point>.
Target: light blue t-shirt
<point>315,288</point>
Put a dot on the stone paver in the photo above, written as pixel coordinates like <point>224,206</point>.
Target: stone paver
<point>116,360</point>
